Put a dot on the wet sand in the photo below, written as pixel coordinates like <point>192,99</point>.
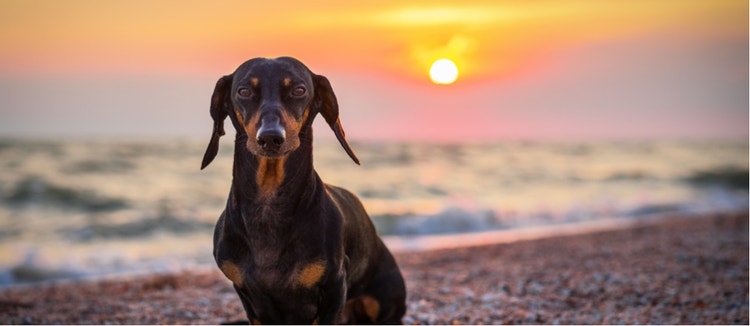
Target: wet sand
<point>675,271</point>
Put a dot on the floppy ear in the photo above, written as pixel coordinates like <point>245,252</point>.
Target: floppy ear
<point>326,104</point>
<point>219,102</point>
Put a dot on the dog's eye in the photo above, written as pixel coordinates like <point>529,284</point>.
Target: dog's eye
<point>299,91</point>
<point>244,92</point>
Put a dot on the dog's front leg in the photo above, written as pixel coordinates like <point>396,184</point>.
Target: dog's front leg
<point>251,318</point>
<point>332,300</point>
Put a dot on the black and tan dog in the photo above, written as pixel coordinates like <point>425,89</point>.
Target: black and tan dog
<point>296,249</point>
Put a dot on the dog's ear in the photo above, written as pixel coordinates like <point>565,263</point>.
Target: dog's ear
<point>326,104</point>
<point>219,102</point>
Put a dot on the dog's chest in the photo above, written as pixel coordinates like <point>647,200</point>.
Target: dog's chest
<point>281,253</point>
<point>266,263</point>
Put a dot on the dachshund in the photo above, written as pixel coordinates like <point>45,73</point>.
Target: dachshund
<point>296,250</point>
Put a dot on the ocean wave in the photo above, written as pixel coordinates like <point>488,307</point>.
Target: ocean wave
<point>32,273</point>
<point>725,177</point>
<point>649,210</point>
<point>142,228</point>
<point>93,166</point>
<point>35,190</point>
<point>48,147</point>
<point>450,220</point>
<point>630,176</point>
<point>457,220</point>
<point>9,232</point>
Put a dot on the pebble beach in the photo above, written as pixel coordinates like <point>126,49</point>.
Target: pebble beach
<point>681,270</point>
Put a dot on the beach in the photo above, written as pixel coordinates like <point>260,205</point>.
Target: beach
<point>679,270</point>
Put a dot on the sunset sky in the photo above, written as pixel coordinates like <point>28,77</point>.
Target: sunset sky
<point>539,69</point>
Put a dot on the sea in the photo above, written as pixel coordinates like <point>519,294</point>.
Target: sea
<point>88,208</point>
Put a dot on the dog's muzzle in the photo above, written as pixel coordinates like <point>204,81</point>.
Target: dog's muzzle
<point>271,134</point>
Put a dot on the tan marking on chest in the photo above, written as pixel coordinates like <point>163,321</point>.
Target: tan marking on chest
<point>310,274</point>
<point>359,308</point>
<point>270,175</point>
<point>372,308</point>
<point>232,272</point>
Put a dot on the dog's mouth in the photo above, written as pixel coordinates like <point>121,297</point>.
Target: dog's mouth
<point>272,147</point>
<point>267,150</point>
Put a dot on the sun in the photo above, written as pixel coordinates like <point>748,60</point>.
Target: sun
<point>443,72</point>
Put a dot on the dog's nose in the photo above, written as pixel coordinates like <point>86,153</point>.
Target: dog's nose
<point>271,137</point>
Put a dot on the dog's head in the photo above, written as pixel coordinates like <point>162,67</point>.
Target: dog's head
<point>274,102</point>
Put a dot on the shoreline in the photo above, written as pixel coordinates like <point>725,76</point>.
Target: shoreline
<point>417,243</point>
<point>667,271</point>
<point>33,273</point>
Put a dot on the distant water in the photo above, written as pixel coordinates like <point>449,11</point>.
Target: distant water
<point>72,209</point>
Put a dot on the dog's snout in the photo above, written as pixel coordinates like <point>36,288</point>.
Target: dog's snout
<point>271,134</point>
<point>271,139</point>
